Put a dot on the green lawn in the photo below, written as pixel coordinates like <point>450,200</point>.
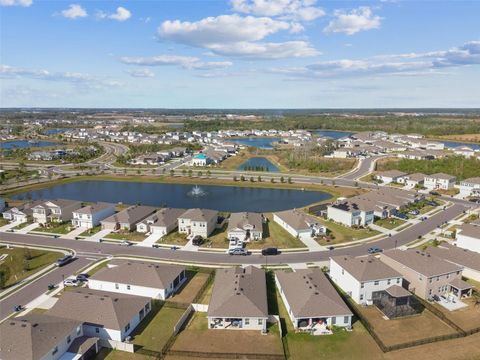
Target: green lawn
<point>91,231</point>
<point>126,235</point>
<point>3,221</point>
<point>341,234</point>
<point>16,267</point>
<point>109,354</point>
<point>174,238</point>
<point>157,327</point>
<point>97,268</point>
<point>390,223</point>
<point>22,225</point>
<point>55,228</point>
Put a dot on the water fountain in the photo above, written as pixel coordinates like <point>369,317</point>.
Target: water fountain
<point>197,192</point>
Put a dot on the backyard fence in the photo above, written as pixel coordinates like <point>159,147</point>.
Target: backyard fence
<point>206,355</point>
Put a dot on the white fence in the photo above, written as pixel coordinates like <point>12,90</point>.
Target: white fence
<point>118,345</point>
<point>200,307</point>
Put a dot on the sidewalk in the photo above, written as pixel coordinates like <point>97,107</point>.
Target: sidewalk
<point>9,226</point>
<point>150,240</point>
<point>96,237</point>
<point>74,233</point>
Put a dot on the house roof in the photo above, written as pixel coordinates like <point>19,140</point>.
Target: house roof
<point>470,230</point>
<point>33,336</point>
<point>391,173</point>
<point>416,177</point>
<point>398,291</point>
<point>140,273</point>
<point>239,292</point>
<point>94,208</point>
<point>107,309</point>
<point>366,268</point>
<point>460,284</point>
<point>441,176</point>
<point>451,253</point>
<point>242,219</point>
<point>472,180</point>
<point>130,215</point>
<point>298,220</point>
<point>61,203</point>
<point>310,294</point>
<point>164,217</point>
<point>421,262</point>
<point>199,214</point>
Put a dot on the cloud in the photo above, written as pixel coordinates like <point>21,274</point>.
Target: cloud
<point>299,10</point>
<point>141,73</point>
<point>237,36</point>
<point>357,20</point>
<point>186,62</point>
<point>74,11</point>
<point>121,14</point>
<point>24,3</point>
<point>11,72</point>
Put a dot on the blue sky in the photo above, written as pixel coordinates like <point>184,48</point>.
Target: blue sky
<point>239,54</point>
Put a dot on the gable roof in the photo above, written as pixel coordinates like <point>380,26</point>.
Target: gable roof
<point>32,336</point>
<point>103,308</point>
<point>199,214</point>
<point>239,292</point>
<point>94,208</point>
<point>130,215</point>
<point>139,273</point>
<point>470,230</point>
<point>297,219</point>
<point>366,268</point>
<point>164,217</point>
<point>241,219</point>
<point>451,253</point>
<point>310,294</point>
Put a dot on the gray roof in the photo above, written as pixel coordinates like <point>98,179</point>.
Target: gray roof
<point>103,308</point>
<point>421,262</point>
<point>199,214</point>
<point>239,292</point>
<point>417,177</point>
<point>140,273</point>
<point>470,230</point>
<point>310,294</point>
<point>398,291</point>
<point>242,219</point>
<point>366,268</point>
<point>460,284</point>
<point>33,336</point>
<point>391,173</point>
<point>442,176</point>
<point>93,208</point>
<point>298,220</point>
<point>131,215</point>
<point>164,217</point>
<point>472,180</point>
<point>463,257</point>
<point>61,203</point>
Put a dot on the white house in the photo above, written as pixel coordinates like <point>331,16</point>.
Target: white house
<point>239,300</point>
<point>90,216</point>
<point>245,226</point>
<point>439,181</point>
<point>58,210</point>
<point>391,176</point>
<point>106,315</point>
<point>20,213</point>
<point>359,277</point>
<point>311,301</point>
<point>470,187</point>
<point>200,160</point>
<point>299,224</point>
<point>157,281</point>
<point>464,151</point>
<point>161,222</point>
<point>351,212</point>
<point>468,237</point>
<point>415,179</point>
<point>198,222</point>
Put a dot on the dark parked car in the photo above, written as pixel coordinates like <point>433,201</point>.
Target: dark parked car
<point>435,193</point>
<point>197,240</point>
<point>82,277</point>
<point>401,216</point>
<point>270,251</point>
<point>374,250</point>
<point>64,260</point>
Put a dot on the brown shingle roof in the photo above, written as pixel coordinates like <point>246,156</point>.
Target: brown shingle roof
<point>241,219</point>
<point>93,208</point>
<point>239,292</point>
<point>456,255</point>
<point>310,294</point>
<point>398,291</point>
<point>366,268</point>
<point>164,217</point>
<point>470,230</point>
<point>199,214</point>
<point>130,215</point>
<point>297,219</point>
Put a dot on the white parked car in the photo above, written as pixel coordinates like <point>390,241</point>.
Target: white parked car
<point>71,282</point>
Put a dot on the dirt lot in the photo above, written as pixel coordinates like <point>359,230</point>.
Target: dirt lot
<point>196,337</point>
<point>466,318</point>
<point>190,289</point>
<point>405,329</point>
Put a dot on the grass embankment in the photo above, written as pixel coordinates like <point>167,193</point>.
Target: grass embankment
<point>174,238</point>
<point>20,263</point>
<point>471,138</point>
<point>458,166</point>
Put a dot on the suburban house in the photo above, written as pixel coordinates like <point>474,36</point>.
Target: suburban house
<point>198,222</point>
<point>58,210</point>
<point>391,176</point>
<point>439,181</point>
<point>41,337</point>
<point>470,187</point>
<point>360,277</point>
<point>89,216</point>
<point>20,213</point>
<point>245,226</point>
<point>239,300</point>
<point>464,151</point>
<point>161,222</point>
<point>415,179</point>
<point>468,237</point>
<point>351,212</point>
<point>299,224</point>
<point>311,301</point>
<point>157,281</point>
<point>426,275</point>
<point>469,260</point>
<point>201,160</point>
<point>128,218</point>
<point>106,315</point>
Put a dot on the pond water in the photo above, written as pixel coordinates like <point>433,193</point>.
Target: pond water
<point>455,144</point>
<point>21,144</point>
<point>223,198</point>
<point>258,141</point>
<point>258,164</point>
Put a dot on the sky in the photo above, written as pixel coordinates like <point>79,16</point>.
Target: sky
<point>240,54</point>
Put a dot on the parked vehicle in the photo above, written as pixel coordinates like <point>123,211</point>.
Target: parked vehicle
<point>155,246</point>
<point>435,193</point>
<point>126,243</point>
<point>83,277</point>
<point>17,308</point>
<point>71,282</point>
<point>51,286</point>
<point>270,251</point>
<point>64,260</point>
<point>374,250</point>
<point>401,216</point>
<point>331,248</point>
<point>238,251</point>
<point>414,212</point>
<point>197,240</point>
<point>432,203</point>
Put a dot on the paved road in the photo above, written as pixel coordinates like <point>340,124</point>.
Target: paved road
<point>363,169</point>
<point>39,286</point>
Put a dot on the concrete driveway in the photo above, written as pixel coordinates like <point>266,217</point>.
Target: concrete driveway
<point>74,233</point>
<point>96,237</point>
<point>150,240</point>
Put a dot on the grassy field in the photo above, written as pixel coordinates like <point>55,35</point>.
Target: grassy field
<point>343,234</point>
<point>127,235</point>
<point>391,223</point>
<point>17,267</point>
<point>187,293</point>
<point>55,228</point>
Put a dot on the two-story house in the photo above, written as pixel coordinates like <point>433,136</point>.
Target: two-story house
<point>89,216</point>
<point>439,181</point>
<point>58,210</point>
<point>198,222</point>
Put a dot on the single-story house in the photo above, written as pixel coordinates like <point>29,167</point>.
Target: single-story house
<point>198,222</point>
<point>311,301</point>
<point>468,237</point>
<point>239,300</point>
<point>148,279</point>
<point>161,222</point>
<point>128,218</point>
<point>391,176</point>
<point>89,216</point>
<point>245,226</point>
<point>299,224</point>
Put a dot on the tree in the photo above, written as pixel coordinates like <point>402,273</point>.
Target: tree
<point>282,179</point>
<point>190,172</point>
<point>242,178</point>
<point>184,172</point>
<point>199,173</point>
<point>272,180</point>
<point>289,180</point>
<point>138,171</point>
<point>234,177</point>
<point>259,178</point>
<point>251,179</point>
<point>209,173</point>
<point>172,172</point>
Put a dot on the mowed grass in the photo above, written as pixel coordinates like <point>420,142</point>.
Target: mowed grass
<point>55,228</point>
<point>91,231</point>
<point>18,267</point>
<point>390,223</point>
<point>109,354</point>
<point>126,235</point>
<point>343,234</point>
<point>174,238</point>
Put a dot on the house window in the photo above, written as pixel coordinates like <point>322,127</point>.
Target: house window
<point>438,278</point>
<point>430,292</point>
<point>55,350</point>
<point>388,282</point>
<point>345,319</point>
<point>343,272</point>
<point>334,320</point>
<point>117,286</point>
<point>398,281</point>
<point>430,280</point>
<point>260,321</point>
<point>362,285</point>
<point>128,287</point>
<point>247,321</point>
<point>69,339</point>
<point>97,330</point>
<point>361,297</point>
<point>147,307</point>
<point>376,282</point>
